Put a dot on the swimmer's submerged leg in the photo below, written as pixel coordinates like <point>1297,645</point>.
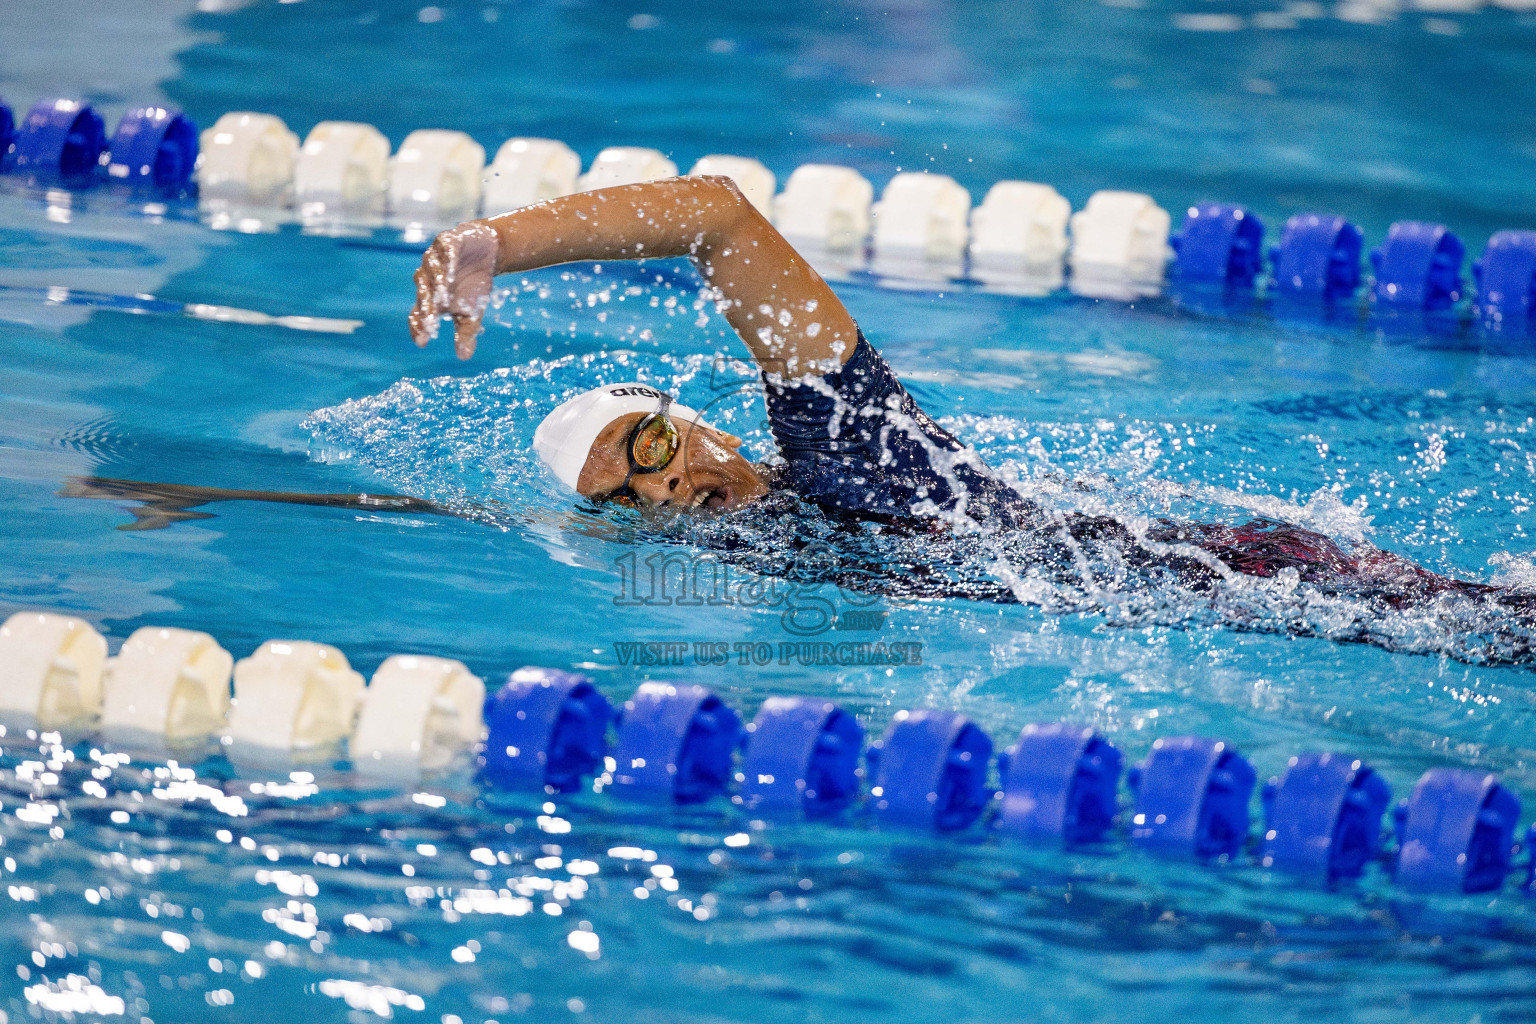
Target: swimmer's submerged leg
<point>1265,547</point>
<point>161,504</point>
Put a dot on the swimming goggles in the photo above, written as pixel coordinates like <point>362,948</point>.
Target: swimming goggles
<point>653,444</point>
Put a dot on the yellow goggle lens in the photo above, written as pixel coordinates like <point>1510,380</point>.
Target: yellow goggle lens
<point>655,445</point>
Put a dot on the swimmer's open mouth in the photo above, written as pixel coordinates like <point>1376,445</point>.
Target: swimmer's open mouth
<point>714,497</point>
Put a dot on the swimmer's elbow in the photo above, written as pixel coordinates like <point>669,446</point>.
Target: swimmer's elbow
<point>722,185</point>
<point>731,207</point>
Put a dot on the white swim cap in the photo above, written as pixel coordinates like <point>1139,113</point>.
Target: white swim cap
<point>564,439</point>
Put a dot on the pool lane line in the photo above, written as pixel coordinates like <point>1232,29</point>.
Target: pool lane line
<point>148,304</point>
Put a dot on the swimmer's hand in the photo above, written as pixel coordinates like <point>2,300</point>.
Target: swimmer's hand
<point>454,280</point>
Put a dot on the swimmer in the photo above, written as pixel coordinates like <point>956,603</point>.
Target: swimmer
<point>853,442</point>
<point>851,437</point>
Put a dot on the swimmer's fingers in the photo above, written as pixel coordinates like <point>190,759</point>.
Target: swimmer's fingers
<point>421,313</point>
<point>466,329</point>
<point>431,293</point>
<point>471,294</point>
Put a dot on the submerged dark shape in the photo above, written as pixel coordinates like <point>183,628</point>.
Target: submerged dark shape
<point>163,504</point>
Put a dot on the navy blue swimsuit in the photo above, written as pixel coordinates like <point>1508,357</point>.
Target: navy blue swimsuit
<point>855,441</point>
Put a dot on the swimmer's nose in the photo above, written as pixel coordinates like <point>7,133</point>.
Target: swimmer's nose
<point>679,490</point>
<point>669,487</point>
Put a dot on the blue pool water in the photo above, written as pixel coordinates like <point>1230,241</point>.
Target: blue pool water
<point>187,889</point>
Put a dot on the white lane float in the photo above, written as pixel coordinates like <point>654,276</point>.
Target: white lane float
<point>755,181</point>
<point>1119,246</point>
<point>292,696</point>
<point>528,171</point>
<point>922,217</point>
<point>825,207</point>
<point>167,683</point>
<point>417,713</point>
<point>343,167</point>
<point>247,158</point>
<point>1019,237</point>
<point>436,176</point>
<point>626,165</point>
<point>51,668</point>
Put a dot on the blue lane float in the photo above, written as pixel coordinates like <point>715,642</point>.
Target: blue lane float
<point>1219,243</point>
<point>1059,785</point>
<point>1323,817</point>
<point>544,728</point>
<point>1506,283</point>
<point>802,755</point>
<point>1456,833</point>
<point>60,138</point>
<point>930,770</point>
<point>1418,267</point>
<point>1192,797</point>
<point>675,742</point>
<point>153,146</point>
<point>7,136</point>
<point>1318,258</point>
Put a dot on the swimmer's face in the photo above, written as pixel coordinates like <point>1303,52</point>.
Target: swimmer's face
<point>707,470</point>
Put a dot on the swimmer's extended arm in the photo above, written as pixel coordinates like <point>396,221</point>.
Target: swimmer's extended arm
<point>789,318</point>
